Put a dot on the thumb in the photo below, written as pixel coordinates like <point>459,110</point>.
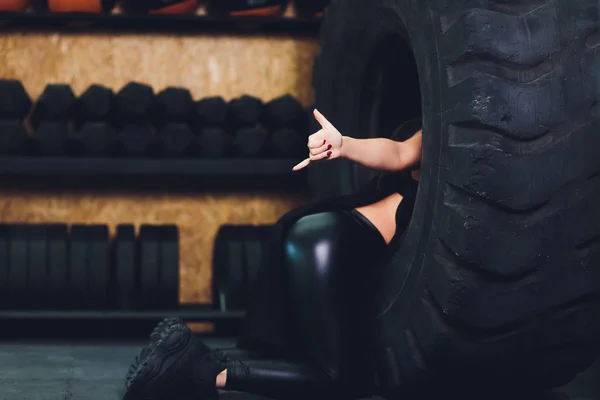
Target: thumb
<point>302,164</point>
<point>321,119</point>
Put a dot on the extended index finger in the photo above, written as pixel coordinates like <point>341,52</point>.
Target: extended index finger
<point>321,119</point>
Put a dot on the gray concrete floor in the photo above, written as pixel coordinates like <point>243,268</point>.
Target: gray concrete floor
<point>62,371</point>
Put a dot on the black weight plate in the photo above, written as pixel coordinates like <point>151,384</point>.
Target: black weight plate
<point>37,267</point>
<point>230,268</point>
<point>125,267</point>
<point>169,267</point>
<point>149,258</point>
<point>253,247</point>
<point>4,264</point>
<point>58,265</point>
<point>98,266</point>
<point>78,268</point>
<point>19,249</point>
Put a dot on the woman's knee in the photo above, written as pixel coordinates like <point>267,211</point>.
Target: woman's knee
<point>314,243</point>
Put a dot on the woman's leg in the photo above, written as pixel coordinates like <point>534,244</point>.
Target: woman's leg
<point>329,262</point>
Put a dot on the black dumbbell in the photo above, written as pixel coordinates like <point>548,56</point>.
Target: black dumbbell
<point>13,137</point>
<point>124,268</point>
<point>15,103</point>
<point>96,104</point>
<point>211,111</point>
<point>134,104</point>
<point>287,142</point>
<point>175,140</point>
<point>249,142</point>
<point>52,139</point>
<point>214,142</point>
<point>283,112</point>
<point>55,104</point>
<point>173,105</point>
<point>244,111</point>
<point>96,139</point>
<point>135,140</point>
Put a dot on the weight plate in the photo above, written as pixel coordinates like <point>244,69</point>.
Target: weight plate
<point>19,249</point>
<point>253,240</point>
<point>124,254</point>
<point>98,266</point>
<point>78,271</point>
<point>230,268</point>
<point>58,266</point>
<point>4,264</point>
<point>149,266</point>
<point>169,267</point>
<point>37,267</point>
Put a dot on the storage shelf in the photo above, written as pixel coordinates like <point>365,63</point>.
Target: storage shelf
<point>198,315</point>
<point>157,23</point>
<point>45,166</point>
<point>90,324</point>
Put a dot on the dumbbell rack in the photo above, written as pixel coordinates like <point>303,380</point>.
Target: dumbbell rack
<point>154,23</point>
<point>49,171</point>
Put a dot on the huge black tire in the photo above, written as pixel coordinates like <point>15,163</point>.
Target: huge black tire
<point>498,279</point>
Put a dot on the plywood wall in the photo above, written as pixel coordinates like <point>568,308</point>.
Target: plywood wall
<point>228,66</point>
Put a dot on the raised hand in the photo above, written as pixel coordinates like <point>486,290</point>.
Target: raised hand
<point>325,144</point>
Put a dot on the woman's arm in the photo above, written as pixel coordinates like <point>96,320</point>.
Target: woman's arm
<point>377,153</point>
<point>383,154</point>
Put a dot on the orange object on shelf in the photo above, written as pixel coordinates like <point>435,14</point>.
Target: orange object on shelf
<point>83,6</point>
<point>14,5</point>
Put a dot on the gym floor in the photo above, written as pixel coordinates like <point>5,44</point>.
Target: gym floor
<point>96,371</point>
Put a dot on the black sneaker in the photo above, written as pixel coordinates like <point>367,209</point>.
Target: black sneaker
<point>162,328</point>
<point>177,365</point>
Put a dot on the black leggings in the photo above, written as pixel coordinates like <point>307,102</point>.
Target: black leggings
<point>330,261</point>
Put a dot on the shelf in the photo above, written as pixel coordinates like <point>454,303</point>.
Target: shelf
<point>90,324</point>
<point>154,23</point>
<point>192,315</point>
<point>235,167</point>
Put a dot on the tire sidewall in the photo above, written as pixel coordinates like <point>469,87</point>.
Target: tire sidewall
<point>350,32</point>
<point>349,35</point>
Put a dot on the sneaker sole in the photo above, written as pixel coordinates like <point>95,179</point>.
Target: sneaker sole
<point>153,366</point>
<point>162,327</point>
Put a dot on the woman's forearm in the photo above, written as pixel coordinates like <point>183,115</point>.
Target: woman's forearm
<point>383,154</point>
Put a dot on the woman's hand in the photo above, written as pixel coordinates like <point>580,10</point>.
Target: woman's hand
<point>326,144</point>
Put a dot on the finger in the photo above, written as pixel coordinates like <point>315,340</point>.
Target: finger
<point>302,164</point>
<point>321,119</point>
<point>316,140</point>
<point>321,149</point>
<point>321,156</point>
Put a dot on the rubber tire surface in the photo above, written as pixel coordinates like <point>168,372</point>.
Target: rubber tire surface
<point>497,281</point>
